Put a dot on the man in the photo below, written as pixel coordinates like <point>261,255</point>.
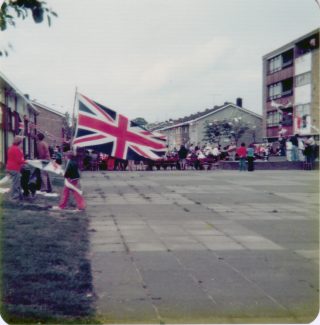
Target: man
<point>44,154</point>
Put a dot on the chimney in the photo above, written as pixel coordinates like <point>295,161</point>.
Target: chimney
<point>239,102</point>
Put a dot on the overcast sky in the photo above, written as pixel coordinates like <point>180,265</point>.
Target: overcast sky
<point>156,59</point>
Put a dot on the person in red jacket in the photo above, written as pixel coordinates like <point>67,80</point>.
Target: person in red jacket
<point>13,167</point>
<point>242,154</point>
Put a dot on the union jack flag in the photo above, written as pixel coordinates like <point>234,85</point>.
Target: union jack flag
<point>103,130</point>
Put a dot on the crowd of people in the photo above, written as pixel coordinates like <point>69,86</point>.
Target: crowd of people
<point>27,181</point>
<point>200,157</point>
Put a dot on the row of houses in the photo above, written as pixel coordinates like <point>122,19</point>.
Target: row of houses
<point>191,129</point>
<point>291,100</point>
<point>20,115</point>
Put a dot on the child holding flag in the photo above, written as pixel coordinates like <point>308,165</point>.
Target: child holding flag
<point>71,184</point>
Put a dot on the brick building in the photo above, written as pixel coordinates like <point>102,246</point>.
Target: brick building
<point>51,123</point>
<point>291,93</point>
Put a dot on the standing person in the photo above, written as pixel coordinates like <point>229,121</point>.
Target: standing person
<point>295,147</point>
<point>44,154</point>
<point>310,151</point>
<point>242,154</point>
<point>71,184</point>
<point>13,167</point>
<point>250,157</point>
<point>182,153</point>
<point>282,141</point>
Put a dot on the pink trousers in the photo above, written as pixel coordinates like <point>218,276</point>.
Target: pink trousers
<point>81,203</point>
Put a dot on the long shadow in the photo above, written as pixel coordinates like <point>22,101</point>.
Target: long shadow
<point>46,275</point>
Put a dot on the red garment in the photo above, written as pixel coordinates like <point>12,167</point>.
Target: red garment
<point>81,204</point>
<point>15,158</point>
<point>242,152</point>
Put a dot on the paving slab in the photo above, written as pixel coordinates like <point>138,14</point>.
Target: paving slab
<point>204,246</point>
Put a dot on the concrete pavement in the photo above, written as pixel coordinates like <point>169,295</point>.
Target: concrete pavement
<point>204,246</point>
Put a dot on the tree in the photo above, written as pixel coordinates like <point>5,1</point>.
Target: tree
<point>238,128</point>
<point>140,121</point>
<point>232,129</point>
<point>11,10</point>
<point>215,131</point>
<point>68,126</point>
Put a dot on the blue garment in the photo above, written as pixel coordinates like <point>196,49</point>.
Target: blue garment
<point>250,152</point>
<point>242,164</point>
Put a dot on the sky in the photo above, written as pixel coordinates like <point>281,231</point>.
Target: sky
<point>156,59</point>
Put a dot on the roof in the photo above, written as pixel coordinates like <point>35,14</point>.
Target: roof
<point>187,120</point>
<point>290,44</point>
<point>48,108</point>
<point>20,93</point>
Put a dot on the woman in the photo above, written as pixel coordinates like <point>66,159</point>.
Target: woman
<point>13,167</point>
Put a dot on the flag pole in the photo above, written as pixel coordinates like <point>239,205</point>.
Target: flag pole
<point>73,117</point>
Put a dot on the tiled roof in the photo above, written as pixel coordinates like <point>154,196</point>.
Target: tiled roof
<point>169,123</point>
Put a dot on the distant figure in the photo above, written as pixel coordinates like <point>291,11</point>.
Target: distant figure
<point>44,154</point>
<point>13,167</point>
<point>250,157</point>
<point>242,154</point>
<point>182,153</point>
<point>295,147</point>
<point>282,142</point>
<point>232,151</point>
<point>310,151</point>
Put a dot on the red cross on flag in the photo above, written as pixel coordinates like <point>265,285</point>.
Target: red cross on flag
<point>103,130</point>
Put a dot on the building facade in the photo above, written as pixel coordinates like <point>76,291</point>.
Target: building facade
<point>191,130</point>
<point>52,124</point>
<point>291,93</point>
<point>17,116</point>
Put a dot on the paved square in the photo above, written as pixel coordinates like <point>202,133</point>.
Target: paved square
<point>204,246</point>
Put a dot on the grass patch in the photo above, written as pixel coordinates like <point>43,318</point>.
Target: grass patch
<point>46,275</point>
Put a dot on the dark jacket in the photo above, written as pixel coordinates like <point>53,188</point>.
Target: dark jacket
<point>183,152</point>
<point>72,170</point>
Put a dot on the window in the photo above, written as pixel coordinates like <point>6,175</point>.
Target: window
<point>274,91</point>
<point>280,89</point>
<point>287,58</point>
<point>275,64</point>
<point>303,79</point>
<point>280,61</point>
<point>274,118</point>
<point>10,120</point>
<point>287,117</point>
<point>287,86</point>
<point>302,116</point>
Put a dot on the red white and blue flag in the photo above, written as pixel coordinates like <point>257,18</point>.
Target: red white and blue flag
<point>103,130</point>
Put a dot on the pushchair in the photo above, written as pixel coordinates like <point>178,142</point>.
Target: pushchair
<point>30,181</point>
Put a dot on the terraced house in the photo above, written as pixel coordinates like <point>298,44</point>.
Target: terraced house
<point>17,116</point>
<point>191,129</point>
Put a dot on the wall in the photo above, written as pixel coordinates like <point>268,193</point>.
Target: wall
<point>230,113</point>
<point>51,125</point>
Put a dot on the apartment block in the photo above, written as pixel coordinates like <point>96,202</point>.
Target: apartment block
<point>291,90</point>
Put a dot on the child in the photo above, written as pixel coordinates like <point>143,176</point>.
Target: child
<point>71,182</point>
